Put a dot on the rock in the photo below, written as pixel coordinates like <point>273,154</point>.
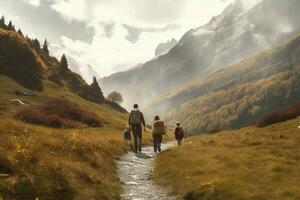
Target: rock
<point>18,102</point>
<point>24,93</point>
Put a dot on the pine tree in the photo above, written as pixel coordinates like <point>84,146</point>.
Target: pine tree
<point>45,47</point>
<point>36,44</point>
<point>97,90</point>
<point>63,62</point>
<point>3,19</point>
<point>20,32</point>
<point>10,26</point>
<point>2,22</point>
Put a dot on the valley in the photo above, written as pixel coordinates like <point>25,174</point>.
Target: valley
<point>230,88</point>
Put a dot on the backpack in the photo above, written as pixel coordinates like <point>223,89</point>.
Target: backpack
<point>159,128</point>
<point>135,117</point>
<point>181,132</point>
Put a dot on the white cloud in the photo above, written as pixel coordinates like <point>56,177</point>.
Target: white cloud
<point>70,9</point>
<point>105,53</point>
<point>35,3</point>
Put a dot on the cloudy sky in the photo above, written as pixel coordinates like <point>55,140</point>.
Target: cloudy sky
<point>109,35</point>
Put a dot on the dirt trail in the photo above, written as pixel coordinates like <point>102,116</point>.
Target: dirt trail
<point>134,172</point>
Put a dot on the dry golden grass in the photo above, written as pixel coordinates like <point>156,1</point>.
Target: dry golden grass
<point>53,163</point>
<point>59,164</point>
<point>250,163</point>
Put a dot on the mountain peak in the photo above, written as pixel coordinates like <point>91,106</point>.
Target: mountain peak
<point>164,48</point>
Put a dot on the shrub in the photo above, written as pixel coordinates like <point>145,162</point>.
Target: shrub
<point>59,113</point>
<point>280,116</point>
<point>214,131</point>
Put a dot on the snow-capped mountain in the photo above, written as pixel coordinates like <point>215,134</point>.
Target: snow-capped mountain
<point>243,28</point>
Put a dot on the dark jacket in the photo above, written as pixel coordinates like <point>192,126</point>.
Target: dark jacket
<point>179,133</point>
<point>142,118</point>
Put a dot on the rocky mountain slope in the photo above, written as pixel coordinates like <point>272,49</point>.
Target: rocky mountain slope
<point>235,34</point>
<point>164,48</point>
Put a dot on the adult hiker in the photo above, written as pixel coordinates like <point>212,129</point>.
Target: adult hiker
<point>136,120</point>
<point>158,130</point>
<point>179,133</point>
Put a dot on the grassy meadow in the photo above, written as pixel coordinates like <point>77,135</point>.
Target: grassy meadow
<point>250,163</point>
<point>38,162</point>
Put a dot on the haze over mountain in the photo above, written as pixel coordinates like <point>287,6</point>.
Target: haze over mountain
<point>238,95</point>
<point>241,30</point>
<point>164,48</point>
<point>109,35</point>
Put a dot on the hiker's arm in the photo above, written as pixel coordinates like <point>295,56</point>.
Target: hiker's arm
<point>152,130</point>
<point>143,120</point>
<point>129,120</point>
<point>175,132</point>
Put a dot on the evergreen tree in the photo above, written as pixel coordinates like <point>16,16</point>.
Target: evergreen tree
<point>3,19</point>
<point>10,26</point>
<point>96,89</point>
<point>63,62</point>
<point>20,32</point>
<point>36,44</point>
<point>45,47</point>
<point>2,22</point>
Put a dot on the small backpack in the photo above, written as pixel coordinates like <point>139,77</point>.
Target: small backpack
<point>159,128</point>
<point>135,117</point>
<point>181,132</point>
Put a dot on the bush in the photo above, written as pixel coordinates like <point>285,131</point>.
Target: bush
<point>214,131</point>
<point>59,113</point>
<point>280,116</point>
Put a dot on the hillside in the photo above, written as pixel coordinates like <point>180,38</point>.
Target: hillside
<point>237,33</point>
<point>40,162</point>
<point>250,163</point>
<point>25,61</point>
<point>50,163</point>
<point>237,95</point>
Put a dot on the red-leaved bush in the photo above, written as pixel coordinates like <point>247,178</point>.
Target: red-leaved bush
<point>59,113</point>
<point>280,116</point>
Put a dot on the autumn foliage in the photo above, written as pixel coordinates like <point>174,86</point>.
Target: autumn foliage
<point>115,97</point>
<point>59,113</point>
<point>280,116</point>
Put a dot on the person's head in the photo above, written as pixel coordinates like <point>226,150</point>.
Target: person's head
<point>177,124</point>
<point>156,118</point>
<point>135,106</point>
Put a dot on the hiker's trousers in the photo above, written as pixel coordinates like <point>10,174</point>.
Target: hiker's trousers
<point>157,139</point>
<point>137,137</point>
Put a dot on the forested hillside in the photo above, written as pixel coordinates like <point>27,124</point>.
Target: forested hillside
<point>239,94</point>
